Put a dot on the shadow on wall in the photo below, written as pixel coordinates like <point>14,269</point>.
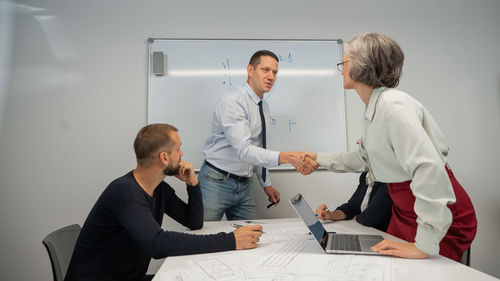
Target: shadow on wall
<point>498,92</point>
<point>5,55</point>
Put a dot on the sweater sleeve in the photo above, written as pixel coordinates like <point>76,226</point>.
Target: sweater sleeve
<point>191,214</point>
<point>135,216</point>
<point>352,207</point>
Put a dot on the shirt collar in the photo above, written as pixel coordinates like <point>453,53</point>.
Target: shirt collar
<point>251,93</point>
<point>370,109</point>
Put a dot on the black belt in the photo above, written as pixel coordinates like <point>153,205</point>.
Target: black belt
<point>233,176</point>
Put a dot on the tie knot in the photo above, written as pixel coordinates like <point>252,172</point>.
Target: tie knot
<point>260,103</point>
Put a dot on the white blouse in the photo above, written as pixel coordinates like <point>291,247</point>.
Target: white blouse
<point>402,142</point>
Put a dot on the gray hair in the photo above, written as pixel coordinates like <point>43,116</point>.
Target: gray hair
<point>375,60</point>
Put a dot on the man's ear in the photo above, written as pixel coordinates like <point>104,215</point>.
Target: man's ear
<point>164,158</point>
<point>249,69</point>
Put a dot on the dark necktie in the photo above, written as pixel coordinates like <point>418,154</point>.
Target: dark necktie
<point>263,122</point>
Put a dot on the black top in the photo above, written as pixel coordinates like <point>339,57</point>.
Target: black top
<point>379,210</point>
<point>123,232</point>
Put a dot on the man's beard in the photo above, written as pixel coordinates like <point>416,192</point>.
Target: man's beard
<point>171,171</point>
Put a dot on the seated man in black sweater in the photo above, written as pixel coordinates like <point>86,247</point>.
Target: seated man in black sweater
<point>370,204</point>
<point>123,230</point>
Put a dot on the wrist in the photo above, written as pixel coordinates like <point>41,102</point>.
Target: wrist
<point>313,155</point>
<point>192,182</point>
<point>284,157</point>
<point>337,215</point>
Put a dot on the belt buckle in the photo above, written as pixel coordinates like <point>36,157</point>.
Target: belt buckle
<point>239,178</point>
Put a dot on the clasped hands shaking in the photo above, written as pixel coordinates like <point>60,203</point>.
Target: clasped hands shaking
<point>304,162</point>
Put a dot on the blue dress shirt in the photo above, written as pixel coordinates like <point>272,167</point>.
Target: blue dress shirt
<point>234,144</point>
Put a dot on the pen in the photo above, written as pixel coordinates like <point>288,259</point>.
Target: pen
<point>273,203</point>
<point>235,225</point>
<point>326,210</point>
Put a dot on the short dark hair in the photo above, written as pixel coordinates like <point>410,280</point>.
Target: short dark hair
<point>150,139</point>
<point>375,60</point>
<point>255,59</point>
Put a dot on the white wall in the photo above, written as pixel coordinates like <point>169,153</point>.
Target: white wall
<point>73,95</point>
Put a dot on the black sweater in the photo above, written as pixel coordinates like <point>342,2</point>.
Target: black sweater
<point>123,232</point>
<point>379,210</point>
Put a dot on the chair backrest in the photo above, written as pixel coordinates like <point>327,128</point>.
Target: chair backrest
<point>60,245</point>
<point>466,257</point>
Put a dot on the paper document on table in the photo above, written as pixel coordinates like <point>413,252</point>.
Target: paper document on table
<point>286,252</point>
<point>334,267</point>
<point>283,255</point>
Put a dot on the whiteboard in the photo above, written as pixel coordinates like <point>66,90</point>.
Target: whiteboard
<point>306,102</point>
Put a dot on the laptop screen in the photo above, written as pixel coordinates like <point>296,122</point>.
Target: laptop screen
<point>307,215</point>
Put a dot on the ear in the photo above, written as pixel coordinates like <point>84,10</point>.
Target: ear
<point>249,69</point>
<point>164,158</point>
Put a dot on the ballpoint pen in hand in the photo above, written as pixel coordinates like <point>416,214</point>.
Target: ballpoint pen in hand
<point>272,203</point>
<point>326,210</point>
<point>235,225</point>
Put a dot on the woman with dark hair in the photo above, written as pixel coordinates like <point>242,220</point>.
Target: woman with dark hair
<point>403,146</point>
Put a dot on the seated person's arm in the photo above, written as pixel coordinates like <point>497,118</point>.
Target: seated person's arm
<point>191,214</point>
<point>136,219</point>
<point>247,236</point>
<point>325,214</point>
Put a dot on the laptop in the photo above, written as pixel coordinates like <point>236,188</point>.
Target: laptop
<point>331,242</point>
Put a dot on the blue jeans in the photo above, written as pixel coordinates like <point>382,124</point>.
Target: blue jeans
<point>224,195</point>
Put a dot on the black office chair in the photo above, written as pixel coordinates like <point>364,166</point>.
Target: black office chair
<point>466,258</point>
<point>60,245</point>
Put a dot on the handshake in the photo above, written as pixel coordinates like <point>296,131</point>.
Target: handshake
<point>304,162</point>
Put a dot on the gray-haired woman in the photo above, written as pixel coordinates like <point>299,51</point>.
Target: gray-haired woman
<point>403,146</point>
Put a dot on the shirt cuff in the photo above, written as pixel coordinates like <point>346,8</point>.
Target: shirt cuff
<point>272,158</point>
<point>428,240</point>
<point>322,159</point>
<point>258,173</point>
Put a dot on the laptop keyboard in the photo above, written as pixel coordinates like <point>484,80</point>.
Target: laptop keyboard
<point>346,242</point>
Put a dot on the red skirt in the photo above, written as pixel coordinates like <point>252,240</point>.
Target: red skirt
<point>463,228</point>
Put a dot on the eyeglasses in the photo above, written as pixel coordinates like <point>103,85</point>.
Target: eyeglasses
<point>340,65</point>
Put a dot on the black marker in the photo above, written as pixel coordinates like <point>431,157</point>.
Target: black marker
<point>273,203</point>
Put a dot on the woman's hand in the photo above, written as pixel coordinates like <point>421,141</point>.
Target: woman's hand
<point>322,212</point>
<point>399,249</point>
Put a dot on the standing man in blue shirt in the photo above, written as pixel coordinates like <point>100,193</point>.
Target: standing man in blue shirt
<point>236,146</point>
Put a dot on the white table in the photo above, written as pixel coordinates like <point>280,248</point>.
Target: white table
<point>288,252</point>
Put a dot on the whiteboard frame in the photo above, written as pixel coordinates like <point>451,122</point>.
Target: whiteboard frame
<point>287,167</point>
